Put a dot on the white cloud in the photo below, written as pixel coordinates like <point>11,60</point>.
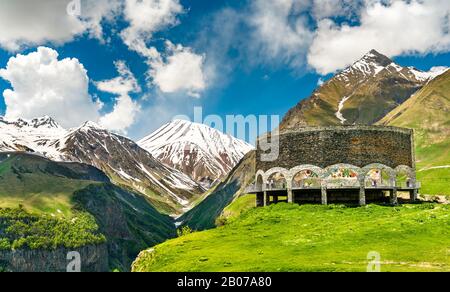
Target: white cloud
<point>179,69</point>
<point>182,70</point>
<point>26,23</point>
<point>146,17</point>
<point>277,35</point>
<point>397,28</point>
<point>335,8</point>
<point>125,110</point>
<point>43,85</point>
<point>329,35</point>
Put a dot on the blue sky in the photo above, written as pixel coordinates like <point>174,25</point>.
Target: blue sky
<point>257,57</point>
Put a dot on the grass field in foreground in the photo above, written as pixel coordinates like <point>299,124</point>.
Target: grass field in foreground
<point>287,237</point>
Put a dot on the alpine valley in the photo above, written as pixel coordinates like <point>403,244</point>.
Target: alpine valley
<point>286,237</point>
<point>110,197</point>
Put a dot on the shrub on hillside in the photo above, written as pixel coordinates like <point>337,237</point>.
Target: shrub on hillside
<point>18,229</point>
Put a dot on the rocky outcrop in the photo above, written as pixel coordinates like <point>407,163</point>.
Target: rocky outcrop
<point>92,259</point>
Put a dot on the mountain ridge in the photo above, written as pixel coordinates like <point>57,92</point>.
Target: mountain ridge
<point>360,94</point>
<point>201,152</point>
<point>120,158</point>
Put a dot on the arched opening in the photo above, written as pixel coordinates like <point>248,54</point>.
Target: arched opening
<point>404,179</point>
<point>306,179</point>
<point>259,190</point>
<point>306,187</point>
<point>276,188</point>
<point>406,183</point>
<point>276,181</point>
<point>342,183</point>
<point>379,184</point>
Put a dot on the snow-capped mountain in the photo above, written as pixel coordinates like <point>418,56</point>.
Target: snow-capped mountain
<point>120,158</point>
<point>34,135</point>
<point>203,153</point>
<point>361,94</point>
<point>374,64</point>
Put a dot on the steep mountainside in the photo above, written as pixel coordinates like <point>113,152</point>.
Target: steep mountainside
<point>120,158</point>
<point>362,94</point>
<point>204,215</point>
<point>203,153</point>
<point>45,187</point>
<point>428,112</point>
<point>128,164</point>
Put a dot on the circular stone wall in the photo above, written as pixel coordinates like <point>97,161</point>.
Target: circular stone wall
<point>354,145</point>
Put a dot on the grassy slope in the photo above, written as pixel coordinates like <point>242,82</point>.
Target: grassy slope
<point>204,215</point>
<point>428,112</point>
<point>313,238</point>
<point>236,209</point>
<point>39,185</point>
<point>42,187</point>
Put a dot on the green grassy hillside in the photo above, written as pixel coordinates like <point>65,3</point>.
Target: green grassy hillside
<point>236,209</point>
<point>287,237</point>
<point>42,186</point>
<point>55,191</point>
<point>428,113</point>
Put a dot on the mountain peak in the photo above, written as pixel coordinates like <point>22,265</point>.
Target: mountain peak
<point>44,122</point>
<point>201,152</point>
<point>374,57</point>
<point>89,125</point>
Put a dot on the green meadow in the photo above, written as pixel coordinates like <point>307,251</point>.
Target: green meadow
<point>287,237</point>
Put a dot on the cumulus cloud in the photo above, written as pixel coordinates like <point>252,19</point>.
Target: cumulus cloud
<point>329,35</point>
<point>277,35</point>
<point>145,17</point>
<point>394,28</point>
<point>178,69</point>
<point>182,70</point>
<point>125,109</point>
<point>43,85</point>
<point>26,23</point>
<point>335,8</point>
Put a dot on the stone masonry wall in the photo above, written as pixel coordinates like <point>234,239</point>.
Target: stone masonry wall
<point>356,145</point>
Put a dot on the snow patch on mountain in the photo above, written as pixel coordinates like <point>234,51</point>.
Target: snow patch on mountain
<point>374,63</point>
<point>339,114</point>
<point>430,75</point>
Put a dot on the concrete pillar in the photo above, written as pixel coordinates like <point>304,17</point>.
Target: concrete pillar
<point>394,197</point>
<point>266,199</point>
<point>290,196</point>
<point>324,196</point>
<point>414,195</point>
<point>362,196</point>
